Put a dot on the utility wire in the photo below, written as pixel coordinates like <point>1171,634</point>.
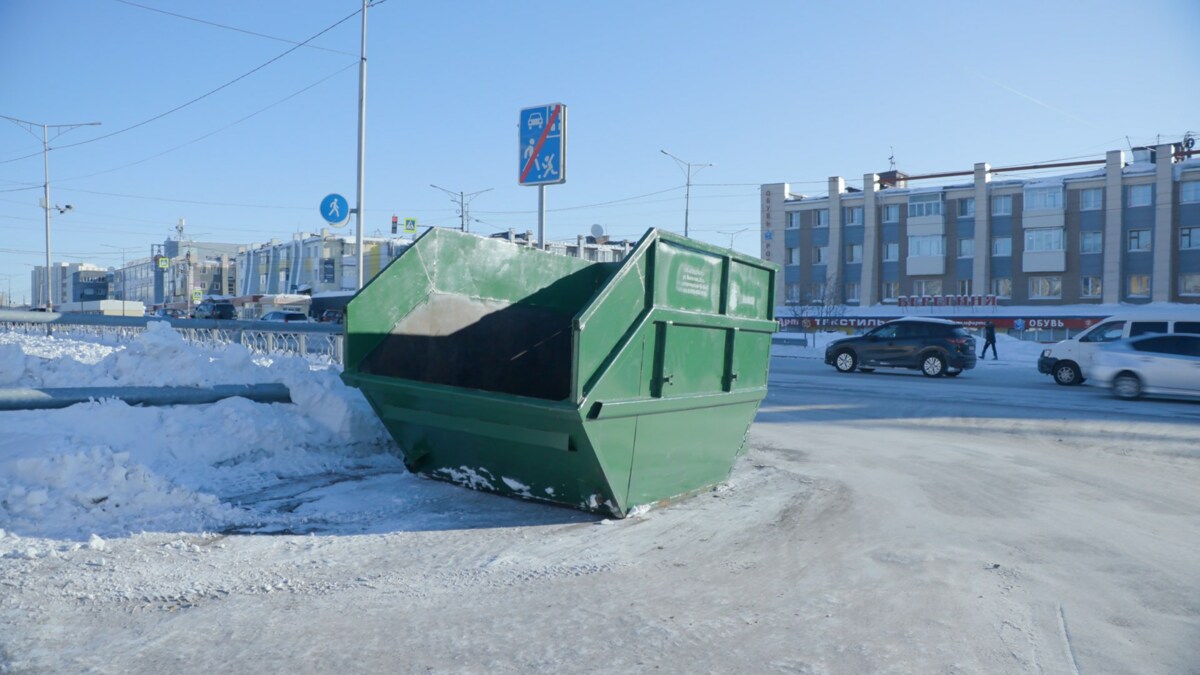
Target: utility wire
<point>237,30</point>
<point>210,93</point>
<point>588,206</point>
<point>215,131</point>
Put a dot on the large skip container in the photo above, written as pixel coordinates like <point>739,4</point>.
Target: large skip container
<point>601,386</point>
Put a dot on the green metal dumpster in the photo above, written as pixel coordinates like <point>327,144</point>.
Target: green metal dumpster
<point>600,386</point>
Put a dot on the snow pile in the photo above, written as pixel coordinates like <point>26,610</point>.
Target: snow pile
<point>108,469</point>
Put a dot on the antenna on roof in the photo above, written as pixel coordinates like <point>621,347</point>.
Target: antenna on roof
<point>891,159</point>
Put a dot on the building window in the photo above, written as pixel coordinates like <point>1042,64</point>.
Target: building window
<point>793,256</point>
<point>1002,287</point>
<point>1189,284</point>
<point>927,245</point>
<point>1045,288</point>
<point>793,293</point>
<point>1091,199</point>
<point>1002,206</point>
<point>1043,198</point>
<point>854,253</point>
<point>891,251</point>
<point>793,219</point>
<point>891,289</point>
<point>1189,192</point>
<point>964,286</point>
<point>820,255</point>
<point>821,218</point>
<point>1139,285</point>
<point>925,205</point>
<point>966,248</point>
<point>1090,288</point>
<point>854,215</point>
<point>1189,237</point>
<point>924,287</point>
<point>1139,195</point>
<point>1091,242</point>
<point>1139,240</point>
<point>966,208</point>
<point>1001,247</point>
<point>1044,239</point>
<point>818,294</point>
<point>852,292</point>
<point>891,213</point>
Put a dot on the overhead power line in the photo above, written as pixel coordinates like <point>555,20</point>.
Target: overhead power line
<point>219,130</point>
<point>232,28</point>
<point>213,91</point>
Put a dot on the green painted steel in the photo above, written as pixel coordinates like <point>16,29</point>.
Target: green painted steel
<point>601,386</point>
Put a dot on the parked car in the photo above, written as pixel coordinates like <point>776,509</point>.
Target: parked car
<point>168,313</point>
<point>215,310</point>
<point>1161,365</point>
<point>1070,361</point>
<point>285,316</point>
<point>933,346</point>
<point>332,316</point>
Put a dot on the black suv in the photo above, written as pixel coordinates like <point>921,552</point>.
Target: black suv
<point>933,346</point>
<point>215,310</point>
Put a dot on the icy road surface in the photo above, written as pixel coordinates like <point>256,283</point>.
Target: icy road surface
<point>993,523</point>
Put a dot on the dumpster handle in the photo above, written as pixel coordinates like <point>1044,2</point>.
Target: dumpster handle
<point>636,407</point>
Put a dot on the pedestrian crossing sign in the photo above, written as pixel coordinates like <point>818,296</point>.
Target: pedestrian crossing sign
<point>410,224</point>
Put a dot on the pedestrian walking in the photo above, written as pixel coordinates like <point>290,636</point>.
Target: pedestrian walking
<point>989,340</point>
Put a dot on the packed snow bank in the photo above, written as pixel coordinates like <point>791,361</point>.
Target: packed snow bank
<point>110,469</point>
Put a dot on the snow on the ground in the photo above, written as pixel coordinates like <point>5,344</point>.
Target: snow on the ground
<point>109,469</point>
<point>995,523</point>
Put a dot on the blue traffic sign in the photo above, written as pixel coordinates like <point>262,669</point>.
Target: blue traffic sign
<point>335,209</point>
<point>543,145</point>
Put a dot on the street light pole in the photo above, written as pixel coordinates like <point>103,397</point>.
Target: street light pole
<point>463,200</point>
<point>60,129</point>
<point>687,195</point>
<point>362,131</point>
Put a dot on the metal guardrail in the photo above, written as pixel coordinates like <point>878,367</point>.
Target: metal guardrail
<point>260,337</point>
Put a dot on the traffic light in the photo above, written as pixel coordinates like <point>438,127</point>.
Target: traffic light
<point>395,222</point>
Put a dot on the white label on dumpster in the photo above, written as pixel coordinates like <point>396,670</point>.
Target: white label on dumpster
<point>693,281</point>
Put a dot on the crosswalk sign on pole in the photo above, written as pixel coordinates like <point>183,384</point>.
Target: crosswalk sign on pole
<point>410,224</point>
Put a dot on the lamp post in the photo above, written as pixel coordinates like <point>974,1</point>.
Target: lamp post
<point>464,202</point>
<point>687,195</point>
<point>59,129</point>
<point>8,303</point>
<point>733,234</point>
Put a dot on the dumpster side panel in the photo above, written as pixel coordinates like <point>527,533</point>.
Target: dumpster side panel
<point>372,313</point>
<point>609,322</point>
<point>491,269</point>
<point>750,291</point>
<point>503,445</point>
<point>685,451</point>
<point>686,279</point>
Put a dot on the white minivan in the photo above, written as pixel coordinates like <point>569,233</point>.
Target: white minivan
<point>1070,360</point>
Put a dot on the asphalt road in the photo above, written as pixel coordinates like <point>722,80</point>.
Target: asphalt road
<point>990,389</point>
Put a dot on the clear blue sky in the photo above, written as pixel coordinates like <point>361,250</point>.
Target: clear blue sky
<point>766,91</point>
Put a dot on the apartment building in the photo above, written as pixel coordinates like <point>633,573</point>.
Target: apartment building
<point>1121,232</point>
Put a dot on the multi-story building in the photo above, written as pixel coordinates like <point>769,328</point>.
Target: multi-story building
<point>311,263</point>
<point>596,249</point>
<point>62,282</point>
<point>1121,233</point>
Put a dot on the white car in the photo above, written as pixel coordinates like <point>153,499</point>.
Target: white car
<point>1070,361</point>
<point>1161,365</point>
